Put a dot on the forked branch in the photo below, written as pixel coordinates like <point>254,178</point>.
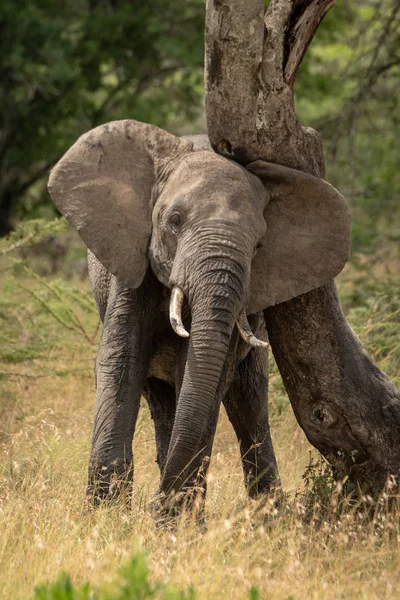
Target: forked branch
<point>303,24</point>
<point>251,63</point>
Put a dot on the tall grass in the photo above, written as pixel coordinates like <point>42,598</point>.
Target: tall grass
<point>47,392</point>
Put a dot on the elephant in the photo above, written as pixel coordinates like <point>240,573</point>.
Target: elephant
<point>186,249</point>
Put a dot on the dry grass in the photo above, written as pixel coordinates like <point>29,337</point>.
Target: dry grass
<point>44,440</point>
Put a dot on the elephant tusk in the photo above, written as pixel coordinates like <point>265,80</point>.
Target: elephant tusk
<point>175,312</point>
<point>246,333</point>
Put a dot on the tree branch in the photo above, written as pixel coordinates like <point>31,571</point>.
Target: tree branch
<point>7,136</point>
<point>300,33</point>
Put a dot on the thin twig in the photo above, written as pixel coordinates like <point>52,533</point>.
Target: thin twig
<point>46,306</point>
<point>19,244</point>
<point>29,376</point>
<point>57,295</point>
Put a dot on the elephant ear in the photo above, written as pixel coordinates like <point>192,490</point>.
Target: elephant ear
<point>103,186</point>
<point>308,235</point>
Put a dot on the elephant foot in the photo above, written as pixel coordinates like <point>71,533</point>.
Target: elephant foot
<point>270,506</point>
<point>188,504</point>
<point>109,483</point>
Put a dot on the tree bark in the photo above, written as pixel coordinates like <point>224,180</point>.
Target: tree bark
<point>346,406</point>
<point>249,103</point>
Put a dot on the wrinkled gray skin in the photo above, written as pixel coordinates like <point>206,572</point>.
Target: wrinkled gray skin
<point>157,212</point>
<point>141,355</point>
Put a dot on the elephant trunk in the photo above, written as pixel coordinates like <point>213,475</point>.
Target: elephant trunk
<point>215,300</point>
<point>242,323</point>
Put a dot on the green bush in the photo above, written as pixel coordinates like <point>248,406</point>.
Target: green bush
<point>132,584</point>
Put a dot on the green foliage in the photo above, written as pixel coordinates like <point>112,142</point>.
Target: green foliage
<point>28,233</point>
<point>319,485</point>
<point>40,315</point>
<point>62,589</point>
<point>67,66</point>
<point>376,319</point>
<point>133,584</point>
<point>348,90</point>
<point>277,397</point>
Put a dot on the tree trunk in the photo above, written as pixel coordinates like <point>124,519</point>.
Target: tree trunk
<point>6,202</point>
<point>346,406</point>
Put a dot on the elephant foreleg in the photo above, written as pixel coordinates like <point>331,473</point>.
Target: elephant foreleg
<point>121,370</point>
<point>247,408</point>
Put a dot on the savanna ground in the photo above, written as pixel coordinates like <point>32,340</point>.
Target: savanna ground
<point>49,335</point>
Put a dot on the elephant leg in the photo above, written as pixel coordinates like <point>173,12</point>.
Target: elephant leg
<point>160,397</point>
<point>246,404</point>
<point>121,371</point>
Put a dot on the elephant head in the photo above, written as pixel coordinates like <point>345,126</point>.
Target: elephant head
<point>232,240</point>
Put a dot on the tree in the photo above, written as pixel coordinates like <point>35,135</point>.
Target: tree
<point>346,406</point>
<point>67,66</point>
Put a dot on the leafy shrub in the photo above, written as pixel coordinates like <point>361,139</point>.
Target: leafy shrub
<point>132,584</point>
<point>43,319</point>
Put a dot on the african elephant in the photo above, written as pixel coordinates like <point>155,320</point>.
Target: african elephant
<point>161,213</point>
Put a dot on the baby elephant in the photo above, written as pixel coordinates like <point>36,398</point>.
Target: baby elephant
<point>180,236</point>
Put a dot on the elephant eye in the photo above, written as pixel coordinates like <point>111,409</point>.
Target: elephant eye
<point>175,220</point>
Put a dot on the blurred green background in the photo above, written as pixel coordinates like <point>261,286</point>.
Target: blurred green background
<point>69,65</point>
